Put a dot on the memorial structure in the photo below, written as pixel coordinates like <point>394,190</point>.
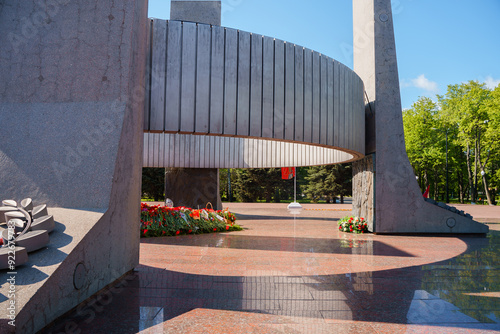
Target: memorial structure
<point>71,110</point>
<point>385,190</point>
<point>93,91</point>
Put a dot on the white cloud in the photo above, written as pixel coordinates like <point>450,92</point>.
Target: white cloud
<point>491,83</point>
<point>422,82</point>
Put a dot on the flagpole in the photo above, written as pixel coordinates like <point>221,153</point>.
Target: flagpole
<point>295,186</point>
<point>296,206</point>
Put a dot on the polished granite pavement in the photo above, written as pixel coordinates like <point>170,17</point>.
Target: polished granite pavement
<point>299,274</point>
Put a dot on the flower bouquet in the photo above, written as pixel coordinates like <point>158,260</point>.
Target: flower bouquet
<point>157,221</point>
<point>352,224</point>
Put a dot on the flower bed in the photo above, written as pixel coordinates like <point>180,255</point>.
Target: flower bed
<point>352,224</point>
<point>158,221</point>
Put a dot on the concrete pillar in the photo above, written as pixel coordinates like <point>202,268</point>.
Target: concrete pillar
<point>194,187</point>
<point>384,185</point>
<point>201,11</point>
<point>71,110</point>
<point>188,187</point>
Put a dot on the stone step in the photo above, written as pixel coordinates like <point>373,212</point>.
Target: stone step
<point>21,257</point>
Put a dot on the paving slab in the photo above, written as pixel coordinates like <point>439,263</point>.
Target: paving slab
<point>299,274</point>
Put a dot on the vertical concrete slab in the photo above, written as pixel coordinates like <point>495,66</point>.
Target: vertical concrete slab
<point>399,205</point>
<point>267,86</point>
<point>188,77</point>
<point>299,93</point>
<point>279,89</point>
<point>243,115</point>
<point>203,79</point>
<point>173,74</point>
<point>256,86</point>
<point>231,81</point>
<point>71,104</point>
<point>217,80</point>
<point>289,90</point>
<point>159,43</point>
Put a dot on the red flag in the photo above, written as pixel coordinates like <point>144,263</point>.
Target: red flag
<point>287,173</point>
<point>426,194</point>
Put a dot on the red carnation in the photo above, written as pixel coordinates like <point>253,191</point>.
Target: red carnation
<point>215,229</point>
<point>227,227</point>
<point>190,231</point>
<point>177,233</point>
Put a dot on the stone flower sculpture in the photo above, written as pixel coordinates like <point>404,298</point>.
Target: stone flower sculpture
<point>25,228</point>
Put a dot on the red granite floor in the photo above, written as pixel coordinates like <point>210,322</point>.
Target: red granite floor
<point>299,274</point>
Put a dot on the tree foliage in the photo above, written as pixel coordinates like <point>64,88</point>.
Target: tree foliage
<point>250,185</point>
<point>465,123</point>
<point>328,182</point>
<point>153,183</point>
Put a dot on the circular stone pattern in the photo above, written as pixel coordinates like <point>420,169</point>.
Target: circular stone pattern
<point>451,222</point>
<point>384,17</point>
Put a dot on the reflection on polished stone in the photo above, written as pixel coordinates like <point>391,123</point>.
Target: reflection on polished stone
<point>303,276</point>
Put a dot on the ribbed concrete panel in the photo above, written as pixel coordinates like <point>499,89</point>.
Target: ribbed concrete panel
<point>214,81</point>
<point>199,151</point>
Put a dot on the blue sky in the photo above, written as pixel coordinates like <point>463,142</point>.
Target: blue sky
<point>439,42</point>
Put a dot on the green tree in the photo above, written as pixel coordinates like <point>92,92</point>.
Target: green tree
<point>249,185</point>
<point>465,106</point>
<point>421,125</point>
<point>153,183</point>
<point>492,136</point>
<point>328,182</point>
<point>342,175</point>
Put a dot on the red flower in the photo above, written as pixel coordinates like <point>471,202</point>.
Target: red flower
<point>145,232</point>
<point>215,229</point>
<point>227,227</point>
<point>164,232</point>
<point>190,231</point>
<point>177,233</point>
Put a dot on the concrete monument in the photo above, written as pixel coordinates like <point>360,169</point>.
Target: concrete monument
<point>71,109</point>
<point>384,186</point>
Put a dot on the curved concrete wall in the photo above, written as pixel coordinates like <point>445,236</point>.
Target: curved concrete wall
<point>192,151</point>
<point>214,81</point>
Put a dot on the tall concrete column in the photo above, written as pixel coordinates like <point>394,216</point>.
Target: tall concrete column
<point>385,189</point>
<point>194,187</point>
